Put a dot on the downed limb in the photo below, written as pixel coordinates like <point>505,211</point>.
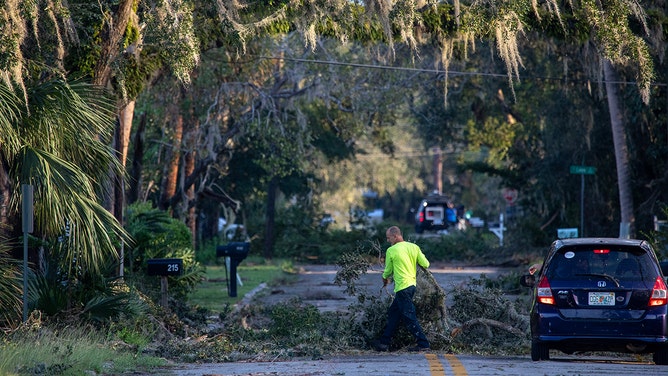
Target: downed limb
<point>486,323</point>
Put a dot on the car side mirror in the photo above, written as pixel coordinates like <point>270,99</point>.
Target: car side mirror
<point>528,280</point>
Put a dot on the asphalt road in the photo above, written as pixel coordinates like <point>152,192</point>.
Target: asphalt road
<point>431,364</point>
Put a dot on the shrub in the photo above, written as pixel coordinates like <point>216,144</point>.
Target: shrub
<point>157,235</point>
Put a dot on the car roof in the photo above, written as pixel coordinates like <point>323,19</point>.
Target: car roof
<point>617,241</point>
<point>608,242</point>
<point>436,199</point>
<point>599,241</point>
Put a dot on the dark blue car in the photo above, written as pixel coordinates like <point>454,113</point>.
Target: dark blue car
<point>599,294</point>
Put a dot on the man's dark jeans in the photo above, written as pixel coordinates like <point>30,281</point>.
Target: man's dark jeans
<point>402,309</point>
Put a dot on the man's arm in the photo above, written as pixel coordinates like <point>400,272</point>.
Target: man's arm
<point>389,268</point>
<point>422,260</point>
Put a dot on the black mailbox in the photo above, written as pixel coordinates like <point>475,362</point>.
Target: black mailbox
<point>165,266</point>
<point>236,251</point>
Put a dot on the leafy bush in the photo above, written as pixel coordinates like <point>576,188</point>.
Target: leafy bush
<point>206,254</point>
<point>157,235</point>
<point>82,294</point>
<point>659,237</point>
<point>315,245</point>
<point>463,246</point>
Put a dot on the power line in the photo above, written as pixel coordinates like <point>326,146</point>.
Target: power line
<point>419,153</point>
<point>441,71</point>
<point>385,67</point>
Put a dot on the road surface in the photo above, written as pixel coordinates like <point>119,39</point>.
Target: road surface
<point>432,364</point>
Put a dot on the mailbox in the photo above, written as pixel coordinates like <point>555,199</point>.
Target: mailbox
<point>236,252</point>
<point>165,266</point>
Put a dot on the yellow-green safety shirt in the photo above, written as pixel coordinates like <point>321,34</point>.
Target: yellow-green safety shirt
<point>401,262</point>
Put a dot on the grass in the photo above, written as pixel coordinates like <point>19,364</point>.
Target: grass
<point>75,351</point>
<point>213,294</point>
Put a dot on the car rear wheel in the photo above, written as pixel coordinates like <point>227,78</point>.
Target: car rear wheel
<point>661,356</point>
<point>540,351</point>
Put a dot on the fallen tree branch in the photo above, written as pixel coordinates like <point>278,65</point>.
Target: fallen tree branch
<point>487,323</point>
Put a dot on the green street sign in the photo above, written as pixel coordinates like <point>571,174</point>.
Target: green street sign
<point>583,170</point>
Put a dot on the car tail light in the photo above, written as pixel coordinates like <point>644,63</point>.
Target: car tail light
<point>659,293</point>
<point>544,291</point>
<point>601,251</point>
<point>421,217</point>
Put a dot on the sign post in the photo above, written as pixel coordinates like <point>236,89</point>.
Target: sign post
<point>234,253</point>
<point>582,171</point>
<point>498,231</point>
<point>164,267</point>
<point>27,224</point>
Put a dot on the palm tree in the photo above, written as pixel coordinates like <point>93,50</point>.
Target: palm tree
<point>56,140</point>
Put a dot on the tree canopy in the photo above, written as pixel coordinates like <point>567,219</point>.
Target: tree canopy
<point>126,45</point>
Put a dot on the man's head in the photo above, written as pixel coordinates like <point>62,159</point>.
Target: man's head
<point>393,235</point>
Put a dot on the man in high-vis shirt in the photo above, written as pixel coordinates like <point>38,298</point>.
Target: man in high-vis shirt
<point>401,260</point>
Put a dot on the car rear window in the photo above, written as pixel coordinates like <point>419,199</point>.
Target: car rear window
<point>623,263</point>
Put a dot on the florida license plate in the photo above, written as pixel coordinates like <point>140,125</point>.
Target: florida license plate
<point>602,298</point>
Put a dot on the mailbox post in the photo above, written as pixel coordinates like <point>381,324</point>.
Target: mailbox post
<point>236,251</point>
<point>164,268</point>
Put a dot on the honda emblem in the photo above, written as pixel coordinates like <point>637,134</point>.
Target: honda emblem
<point>601,284</point>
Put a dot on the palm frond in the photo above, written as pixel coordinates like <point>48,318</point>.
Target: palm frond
<point>63,130</point>
<point>73,122</point>
<point>104,308</point>
<point>65,196</point>
<point>11,290</point>
<point>47,295</point>
<point>10,113</point>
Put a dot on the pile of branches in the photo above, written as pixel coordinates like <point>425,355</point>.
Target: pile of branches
<point>483,320</point>
<point>477,319</point>
<point>480,319</point>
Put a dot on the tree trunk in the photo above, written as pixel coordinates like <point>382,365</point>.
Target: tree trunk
<point>191,154</point>
<point>172,169</point>
<point>121,142</point>
<point>112,33</point>
<point>5,194</point>
<point>272,191</point>
<point>627,218</point>
<point>125,118</point>
<point>111,38</point>
<point>123,127</point>
<point>438,170</point>
<point>137,162</point>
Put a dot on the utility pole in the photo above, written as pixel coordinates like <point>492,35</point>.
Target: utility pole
<point>438,169</point>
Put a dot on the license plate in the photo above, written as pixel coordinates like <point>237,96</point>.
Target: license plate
<point>602,298</point>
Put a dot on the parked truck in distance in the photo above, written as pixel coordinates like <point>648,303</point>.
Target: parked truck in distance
<point>437,213</point>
